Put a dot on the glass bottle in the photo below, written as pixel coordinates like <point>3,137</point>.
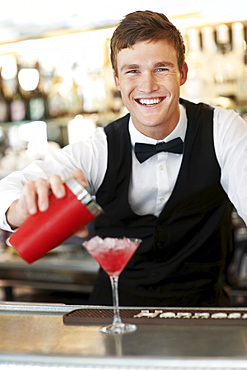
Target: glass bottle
<point>37,99</point>
<point>18,108</point>
<point>194,87</point>
<point>4,104</point>
<point>225,70</point>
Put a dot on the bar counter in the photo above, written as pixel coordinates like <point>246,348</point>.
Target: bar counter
<point>67,268</point>
<point>37,336</point>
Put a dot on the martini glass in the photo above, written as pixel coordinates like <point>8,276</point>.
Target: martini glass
<point>113,255</point>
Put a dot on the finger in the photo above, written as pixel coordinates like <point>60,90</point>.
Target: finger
<point>82,233</point>
<point>57,186</point>
<point>80,177</point>
<point>42,188</point>
<point>29,197</point>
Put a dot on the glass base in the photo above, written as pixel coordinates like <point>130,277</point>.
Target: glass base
<point>118,328</point>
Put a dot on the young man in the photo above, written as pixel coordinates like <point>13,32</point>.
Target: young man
<point>178,201</point>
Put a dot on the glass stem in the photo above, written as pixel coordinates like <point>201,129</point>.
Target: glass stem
<point>116,313</point>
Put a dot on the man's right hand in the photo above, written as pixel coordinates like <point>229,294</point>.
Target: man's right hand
<point>35,196</point>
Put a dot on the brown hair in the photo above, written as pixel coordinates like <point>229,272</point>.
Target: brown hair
<point>143,26</point>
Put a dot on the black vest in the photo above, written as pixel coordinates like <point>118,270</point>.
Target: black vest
<point>186,250</point>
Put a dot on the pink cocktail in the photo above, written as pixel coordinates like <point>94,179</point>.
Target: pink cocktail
<point>113,254</point>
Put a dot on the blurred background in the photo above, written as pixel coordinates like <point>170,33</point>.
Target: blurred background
<point>56,86</point>
<point>55,69</point>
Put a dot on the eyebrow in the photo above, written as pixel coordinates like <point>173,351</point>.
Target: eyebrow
<point>136,66</point>
<point>164,64</point>
<point>129,66</point>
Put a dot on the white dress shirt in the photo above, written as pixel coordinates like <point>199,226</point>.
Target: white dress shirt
<point>152,181</point>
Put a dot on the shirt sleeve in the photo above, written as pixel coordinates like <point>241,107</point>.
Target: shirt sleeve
<point>90,155</point>
<point>230,140</point>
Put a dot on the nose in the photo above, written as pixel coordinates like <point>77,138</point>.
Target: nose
<point>147,83</point>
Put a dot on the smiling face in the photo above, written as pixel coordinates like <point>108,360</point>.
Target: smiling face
<point>149,80</point>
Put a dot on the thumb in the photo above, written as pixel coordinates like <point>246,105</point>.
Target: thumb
<point>80,177</point>
<point>82,233</point>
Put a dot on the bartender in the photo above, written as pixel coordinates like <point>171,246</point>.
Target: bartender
<point>168,172</point>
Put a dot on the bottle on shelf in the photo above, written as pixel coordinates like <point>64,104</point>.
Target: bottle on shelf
<point>4,104</point>
<point>56,104</point>
<point>240,50</point>
<point>242,86</point>
<point>31,82</point>
<point>195,85</point>
<point>225,65</point>
<point>17,105</point>
<point>209,50</point>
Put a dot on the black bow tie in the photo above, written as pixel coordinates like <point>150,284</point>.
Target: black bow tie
<point>145,151</point>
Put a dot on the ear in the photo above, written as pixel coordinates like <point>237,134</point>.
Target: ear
<point>116,80</point>
<point>183,74</point>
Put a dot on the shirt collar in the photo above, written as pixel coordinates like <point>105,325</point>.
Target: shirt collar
<point>179,131</point>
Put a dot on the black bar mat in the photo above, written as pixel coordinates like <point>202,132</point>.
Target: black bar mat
<point>102,316</point>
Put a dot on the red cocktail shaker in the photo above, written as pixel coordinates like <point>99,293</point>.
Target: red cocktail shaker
<point>44,231</point>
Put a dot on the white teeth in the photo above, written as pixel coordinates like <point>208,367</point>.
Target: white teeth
<point>149,101</point>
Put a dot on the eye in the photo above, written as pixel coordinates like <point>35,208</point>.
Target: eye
<point>132,71</point>
<point>162,69</point>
